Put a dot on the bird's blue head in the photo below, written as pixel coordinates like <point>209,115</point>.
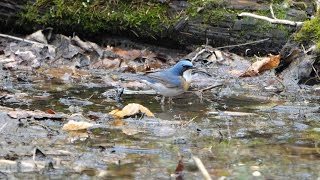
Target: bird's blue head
<point>181,67</point>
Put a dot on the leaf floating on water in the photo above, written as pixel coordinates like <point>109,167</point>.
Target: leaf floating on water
<point>75,126</point>
<point>132,109</point>
<point>262,65</point>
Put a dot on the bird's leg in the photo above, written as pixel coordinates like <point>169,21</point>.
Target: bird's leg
<point>170,100</point>
<point>163,100</point>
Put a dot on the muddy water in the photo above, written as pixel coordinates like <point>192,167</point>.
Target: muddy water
<point>278,140</point>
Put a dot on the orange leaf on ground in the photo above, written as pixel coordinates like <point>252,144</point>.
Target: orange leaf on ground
<point>50,111</point>
<point>262,65</point>
<point>118,122</point>
<point>131,109</point>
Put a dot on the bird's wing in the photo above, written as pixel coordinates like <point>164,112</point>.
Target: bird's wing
<point>166,79</point>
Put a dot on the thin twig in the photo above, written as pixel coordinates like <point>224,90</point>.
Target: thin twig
<point>4,125</point>
<point>272,13</point>
<point>43,126</point>
<point>198,54</point>
<point>189,121</point>
<point>315,71</point>
<point>274,21</point>
<point>91,96</point>
<point>210,87</point>
<point>23,40</point>
<point>279,80</point>
<point>237,45</point>
<point>201,167</point>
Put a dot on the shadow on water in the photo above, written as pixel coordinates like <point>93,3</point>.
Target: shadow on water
<point>269,143</point>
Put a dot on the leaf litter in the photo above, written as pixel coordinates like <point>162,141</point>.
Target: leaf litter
<point>97,142</point>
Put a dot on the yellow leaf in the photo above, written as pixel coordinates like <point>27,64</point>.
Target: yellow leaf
<point>131,109</point>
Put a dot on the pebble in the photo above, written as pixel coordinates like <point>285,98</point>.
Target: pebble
<point>256,173</point>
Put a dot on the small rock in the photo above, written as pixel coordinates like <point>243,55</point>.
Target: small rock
<point>256,173</point>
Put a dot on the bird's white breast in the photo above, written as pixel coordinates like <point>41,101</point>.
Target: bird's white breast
<point>187,75</point>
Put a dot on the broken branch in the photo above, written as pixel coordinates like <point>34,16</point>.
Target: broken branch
<point>23,40</point>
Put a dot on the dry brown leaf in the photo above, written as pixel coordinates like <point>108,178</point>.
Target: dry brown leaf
<point>75,126</point>
<point>132,109</point>
<point>262,65</point>
<point>107,64</point>
<point>50,111</point>
<point>118,122</point>
<point>128,54</point>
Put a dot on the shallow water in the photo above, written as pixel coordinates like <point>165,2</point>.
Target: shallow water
<point>279,141</point>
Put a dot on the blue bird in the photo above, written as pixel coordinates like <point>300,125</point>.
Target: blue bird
<point>170,82</point>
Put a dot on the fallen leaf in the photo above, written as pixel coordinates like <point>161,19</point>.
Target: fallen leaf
<point>50,111</point>
<point>179,168</point>
<point>132,109</point>
<point>19,114</point>
<point>262,65</point>
<point>63,71</point>
<point>128,54</point>
<point>74,126</point>
<point>130,131</point>
<point>107,64</point>
<point>118,122</point>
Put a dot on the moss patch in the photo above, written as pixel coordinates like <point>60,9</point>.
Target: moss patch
<point>95,15</point>
<point>310,31</point>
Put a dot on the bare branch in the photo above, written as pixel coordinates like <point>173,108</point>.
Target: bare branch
<point>201,167</point>
<point>23,40</point>
<point>274,21</point>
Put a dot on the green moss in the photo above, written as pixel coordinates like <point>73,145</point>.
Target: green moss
<point>95,15</point>
<point>280,12</point>
<point>310,31</point>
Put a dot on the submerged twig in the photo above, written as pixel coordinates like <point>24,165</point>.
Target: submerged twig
<point>3,126</point>
<point>91,96</point>
<point>210,87</point>
<point>184,124</point>
<point>201,167</point>
<point>44,127</point>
